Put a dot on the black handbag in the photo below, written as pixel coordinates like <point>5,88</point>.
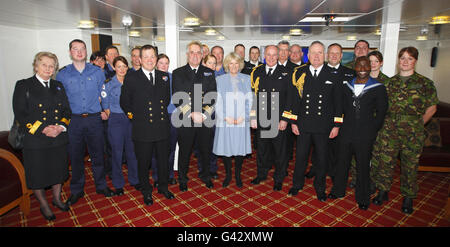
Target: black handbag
<point>16,135</point>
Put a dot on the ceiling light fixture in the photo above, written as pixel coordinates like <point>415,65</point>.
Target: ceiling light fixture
<point>377,32</point>
<point>191,22</point>
<point>134,33</point>
<point>210,32</point>
<point>86,24</point>
<point>351,37</point>
<point>286,37</point>
<point>421,37</point>
<point>295,32</point>
<point>324,19</point>
<point>440,20</point>
<point>221,37</point>
<point>127,21</point>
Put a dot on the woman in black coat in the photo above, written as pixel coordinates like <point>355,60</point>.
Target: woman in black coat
<point>41,105</point>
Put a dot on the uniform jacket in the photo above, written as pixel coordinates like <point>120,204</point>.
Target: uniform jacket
<point>248,67</point>
<point>363,114</point>
<point>264,86</point>
<point>319,107</point>
<point>184,79</point>
<point>37,107</point>
<point>146,105</point>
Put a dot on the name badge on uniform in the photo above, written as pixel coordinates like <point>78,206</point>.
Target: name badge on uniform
<point>349,75</point>
<point>328,82</point>
<point>165,78</point>
<point>284,73</point>
<point>334,71</point>
<point>207,73</point>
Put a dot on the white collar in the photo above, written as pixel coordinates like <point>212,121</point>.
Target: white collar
<point>284,64</point>
<point>254,63</point>
<point>42,81</point>
<point>195,67</point>
<point>273,68</point>
<point>335,67</point>
<point>147,72</point>
<point>311,68</point>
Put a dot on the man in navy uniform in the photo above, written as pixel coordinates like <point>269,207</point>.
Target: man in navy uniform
<point>253,60</point>
<point>315,111</point>
<point>185,80</point>
<point>83,84</point>
<point>145,97</point>
<point>111,52</point>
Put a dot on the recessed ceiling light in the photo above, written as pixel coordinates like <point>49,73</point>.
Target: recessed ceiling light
<point>440,19</point>
<point>422,37</point>
<point>86,24</point>
<point>210,32</point>
<point>351,37</point>
<point>322,19</point>
<point>220,37</point>
<point>286,37</point>
<point>134,33</point>
<point>377,32</point>
<point>295,31</point>
<point>191,22</point>
<point>160,38</point>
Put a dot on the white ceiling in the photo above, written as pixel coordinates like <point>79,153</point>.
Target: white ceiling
<point>234,19</point>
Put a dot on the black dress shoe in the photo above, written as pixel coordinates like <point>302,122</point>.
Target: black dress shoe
<point>209,184</point>
<point>214,175</point>
<point>172,181</point>
<point>363,206</point>
<point>380,198</point>
<point>137,186</point>
<point>407,206</point>
<point>332,196</point>
<point>257,180</point>
<point>239,183</point>
<point>226,182</point>
<point>310,174</point>
<point>277,186</point>
<point>50,217</point>
<point>64,207</point>
<point>119,192</point>
<point>183,187</point>
<point>106,192</point>
<point>322,197</point>
<point>167,194</point>
<point>293,191</point>
<point>73,198</point>
<point>148,199</point>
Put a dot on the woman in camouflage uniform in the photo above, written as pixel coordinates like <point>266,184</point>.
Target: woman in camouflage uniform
<point>412,103</point>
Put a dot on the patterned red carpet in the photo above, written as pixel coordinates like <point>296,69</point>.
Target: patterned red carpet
<point>253,205</point>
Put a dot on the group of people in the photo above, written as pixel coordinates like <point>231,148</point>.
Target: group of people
<point>353,118</point>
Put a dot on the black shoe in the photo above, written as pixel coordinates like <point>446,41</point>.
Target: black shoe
<point>352,184</point>
<point>155,184</point>
<point>172,181</point>
<point>407,206</point>
<point>119,192</point>
<point>167,194</point>
<point>310,174</point>
<point>332,196</point>
<point>138,187</point>
<point>64,207</point>
<point>214,175</point>
<point>372,188</point>
<point>363,206</point>
<point>277,186</point>
<point>239,183</point>
<point>209,184</point>
<point>148,199</point>
<point>226,182</point>
<point>106,192</point>
<point>380,198</point>
<point>50,217</point>
<point>293,191</point>
<point>258,180</point>
<point>73,198</point>
<point>322,197</point>
<point>183,187</point>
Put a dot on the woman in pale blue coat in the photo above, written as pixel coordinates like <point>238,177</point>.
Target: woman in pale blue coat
<point>234,102</point>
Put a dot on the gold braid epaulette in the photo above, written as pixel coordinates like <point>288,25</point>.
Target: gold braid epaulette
<point>300,82</point>
<point>255,84</point>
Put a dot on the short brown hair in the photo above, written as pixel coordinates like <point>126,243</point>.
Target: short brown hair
<point>208,57</point>
<point>120,58</point>
<point>148,47</point>
<point>76,41</point>
<point>376,54</point>
<point>412,51</point>
<point>162,55</point>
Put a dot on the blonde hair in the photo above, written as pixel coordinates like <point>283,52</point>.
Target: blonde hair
<point>38,57</point>
<point>229,58</point>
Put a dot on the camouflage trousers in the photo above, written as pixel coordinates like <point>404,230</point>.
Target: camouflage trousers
<point>402,136</point>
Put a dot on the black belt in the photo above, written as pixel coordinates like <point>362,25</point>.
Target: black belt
<point>85,115</point>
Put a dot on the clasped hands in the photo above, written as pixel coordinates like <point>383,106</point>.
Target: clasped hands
<point>53,130</point>
<point>233,121</point>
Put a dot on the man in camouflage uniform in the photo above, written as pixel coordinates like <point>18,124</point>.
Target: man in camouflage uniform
<point>412,102</point>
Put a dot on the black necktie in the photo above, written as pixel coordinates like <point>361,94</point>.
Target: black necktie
<point>270,72</point>
<point>195,71</point>
<point>46,84</point>
<point>151,79</point>
<point>315,74</point>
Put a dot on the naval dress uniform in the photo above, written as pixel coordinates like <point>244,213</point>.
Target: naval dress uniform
<point>37,105</point>
<point>248,67</point>
<point>144,98</point>
<point>315,106</point>
<point>267,83</point>
<point>185,80</point>
<point>83,90</point>
<point>364,108</point>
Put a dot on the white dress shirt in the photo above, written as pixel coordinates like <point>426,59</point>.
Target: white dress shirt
<point>311,68</point>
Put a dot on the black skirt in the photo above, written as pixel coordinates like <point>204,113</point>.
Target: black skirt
<point>45,167</point>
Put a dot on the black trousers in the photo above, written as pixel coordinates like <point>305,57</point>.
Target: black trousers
<point>272,150</point>
<point>333,150</point>
<point>362,149</point>
<point>304,143</point>
<point>186,138</point>
<point>144,153</point>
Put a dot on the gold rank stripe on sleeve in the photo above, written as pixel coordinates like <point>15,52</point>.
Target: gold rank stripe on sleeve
<point>66,121</point>
<point>338,119</point>
<point>130,115</point>
<point>254,83</point>
<point>34,127</point>
<point>289,115</point>
<point>185,108</point>
<point>208,109</point>
<point>300,82</point>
